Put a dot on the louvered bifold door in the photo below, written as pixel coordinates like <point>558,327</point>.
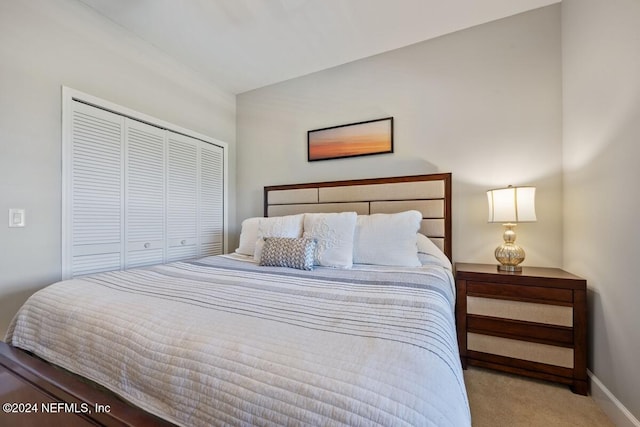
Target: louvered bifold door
<point>182,197</point>
<point>145,194</point>
<point>211,200</point>
<point>95,180</point>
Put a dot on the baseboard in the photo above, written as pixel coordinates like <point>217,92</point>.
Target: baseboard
<point>611,406</point>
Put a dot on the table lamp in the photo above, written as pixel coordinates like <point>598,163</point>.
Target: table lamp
<point>510,206</point>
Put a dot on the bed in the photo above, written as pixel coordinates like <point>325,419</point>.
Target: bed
<point>239,339</point>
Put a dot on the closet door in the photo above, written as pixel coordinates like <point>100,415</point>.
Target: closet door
<point>94,191</point>
<point>182,197</point>
<point>211,215</point>
<point>145,194</point>
<point>134,193</point>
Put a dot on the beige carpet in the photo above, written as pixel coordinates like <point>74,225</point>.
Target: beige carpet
<point>499,399</point>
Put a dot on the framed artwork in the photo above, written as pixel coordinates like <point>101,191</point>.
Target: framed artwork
<point>351,140</point>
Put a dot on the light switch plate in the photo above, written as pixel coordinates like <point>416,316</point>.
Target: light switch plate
<point>16,218</point>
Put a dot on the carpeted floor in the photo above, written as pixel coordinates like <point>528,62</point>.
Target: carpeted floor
<point>499,399</point>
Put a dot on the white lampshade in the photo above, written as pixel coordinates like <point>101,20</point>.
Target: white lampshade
<point>512,204</point>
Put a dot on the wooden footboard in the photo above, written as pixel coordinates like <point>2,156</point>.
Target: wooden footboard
<point>34,393</point>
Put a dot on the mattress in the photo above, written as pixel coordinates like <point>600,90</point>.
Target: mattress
<point>223,341</point>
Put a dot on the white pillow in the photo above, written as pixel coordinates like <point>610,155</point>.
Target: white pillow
<point>334,233</point>
<point>426,246</point>
<point>276,226</point>
<point>387,239</point>
<point>281,226</point>
<point>248,236</point>
<point>256,228</point>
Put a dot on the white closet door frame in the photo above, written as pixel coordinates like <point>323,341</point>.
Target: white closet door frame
<point>70,95</point>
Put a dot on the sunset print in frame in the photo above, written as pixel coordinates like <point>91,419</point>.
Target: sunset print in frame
<point>352,140</point>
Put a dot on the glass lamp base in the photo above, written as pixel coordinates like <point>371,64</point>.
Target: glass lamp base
<point>509,256</point>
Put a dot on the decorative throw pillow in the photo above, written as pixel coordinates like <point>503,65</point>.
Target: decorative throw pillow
<point>288,252</point>
<point>334,233</point>
<point>248,236</point>
<point>387,239</point>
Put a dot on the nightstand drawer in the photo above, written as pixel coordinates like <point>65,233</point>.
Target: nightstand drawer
<point>528,293</point>
<point>516,329</point>
<point>524,350</point>
<point>518,310</point>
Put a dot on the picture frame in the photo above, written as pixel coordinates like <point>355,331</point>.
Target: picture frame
<point>351,140</point>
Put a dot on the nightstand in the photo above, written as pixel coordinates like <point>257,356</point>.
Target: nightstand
<point>532,322</point>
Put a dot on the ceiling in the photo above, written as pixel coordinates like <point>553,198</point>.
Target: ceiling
<point>245,44</point>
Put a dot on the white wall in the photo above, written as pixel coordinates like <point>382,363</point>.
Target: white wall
<point>49,43</point>
<point>601,84</point>
<point>483,103</point>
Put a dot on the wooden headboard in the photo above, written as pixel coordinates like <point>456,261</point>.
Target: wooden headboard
<point>429,194</point>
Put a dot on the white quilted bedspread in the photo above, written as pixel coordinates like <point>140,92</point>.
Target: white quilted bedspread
<point>225,342</point>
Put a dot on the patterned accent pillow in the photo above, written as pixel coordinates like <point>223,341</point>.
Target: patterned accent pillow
<point>288,252</point>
